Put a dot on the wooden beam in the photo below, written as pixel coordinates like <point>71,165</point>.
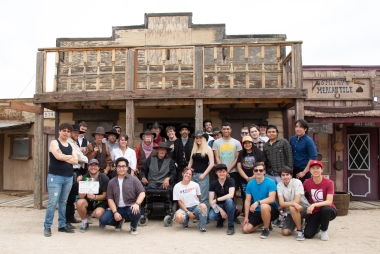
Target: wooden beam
<point>170,94</point>
<point>338,109</point>
<point>198,114</point>
<point>300,112</point>
<point>38,144</point>
<point>198,68</point>
<point>130,121</point>
<point>27,108</point>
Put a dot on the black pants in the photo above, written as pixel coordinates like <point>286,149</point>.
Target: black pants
<point>70,208</point>
<point>179,173</point>
<point>297,170</point>
<point>321,218</point>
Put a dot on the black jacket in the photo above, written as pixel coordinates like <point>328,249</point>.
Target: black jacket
<point>177,154</point>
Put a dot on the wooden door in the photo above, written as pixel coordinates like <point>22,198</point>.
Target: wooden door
<point>362,163</point>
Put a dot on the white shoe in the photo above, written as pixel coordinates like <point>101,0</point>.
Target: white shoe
<point>324,236</point>
<point>300,236</point>
<point>134,231</point>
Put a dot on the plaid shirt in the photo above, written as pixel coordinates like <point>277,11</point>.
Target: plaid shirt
<point>259,144</point>
<point>277,155</point>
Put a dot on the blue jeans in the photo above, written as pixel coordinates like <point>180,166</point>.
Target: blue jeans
<point>229,207</point>
<point>125,212</point>
<point>205,186</point>
<point>59,188</point>
<point>198,213</point>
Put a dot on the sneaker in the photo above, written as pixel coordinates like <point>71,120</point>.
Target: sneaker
<point>47,232</point>
<point>220,223</point>
<point>101,226</point>
<point>134,231</point>
<point>70,226</point>
<point>84,228</point>
<point>300,236</point>
<point>265,233</point>
<point>237,221</point>
<point>185,226</point>
<point>324,236</point>
<point>282,222</point>
<point>270,227</point>
<point>277,222</point>
<point>66,230</point>
<point>230,231</point>
<point>203,230</point>
<point>195,220</point>
<point>119,227</point>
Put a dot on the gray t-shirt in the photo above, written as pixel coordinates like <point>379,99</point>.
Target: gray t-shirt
<point>294,187</point>
<point>227,151</point>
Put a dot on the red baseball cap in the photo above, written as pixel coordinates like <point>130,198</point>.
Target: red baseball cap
<point>313,163</point>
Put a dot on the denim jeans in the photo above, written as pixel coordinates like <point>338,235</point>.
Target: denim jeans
<point>229,207</point>
<point>125,212</point>
<point>205,186</point>
<point>198,213</point>
<point>59,188</point>
<point>276,179</point>
<point>243,188</point>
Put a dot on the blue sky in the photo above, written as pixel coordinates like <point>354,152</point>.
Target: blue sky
<point>333,32</point>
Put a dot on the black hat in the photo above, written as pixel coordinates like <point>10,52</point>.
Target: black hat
<point>163,145</point>
<point>147,132</point>
<point>114,132</point>
<point>220,166</point>
<point>156,125</point>
<point>117,126</point>
<point>263,123</point>
<point>216,131</point>
<point>200,133</point>
<point>185,125</point>
<point>76,127</point>
<point>99,130</point>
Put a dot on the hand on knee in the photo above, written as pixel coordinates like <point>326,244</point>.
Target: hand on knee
<point>178,217</point>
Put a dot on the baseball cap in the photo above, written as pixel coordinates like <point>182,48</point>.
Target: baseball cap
<point>93,161</point>
<point>313,163</point>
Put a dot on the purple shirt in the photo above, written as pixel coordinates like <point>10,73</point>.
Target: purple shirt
<point>131,188</point>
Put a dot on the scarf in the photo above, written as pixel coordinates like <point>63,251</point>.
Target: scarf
<point>147,149</point>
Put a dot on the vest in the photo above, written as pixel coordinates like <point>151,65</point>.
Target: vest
<point>158,175</point>
<point>101,157</point>
<point>143,159</point>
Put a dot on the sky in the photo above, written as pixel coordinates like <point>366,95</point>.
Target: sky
<point>333,32</point>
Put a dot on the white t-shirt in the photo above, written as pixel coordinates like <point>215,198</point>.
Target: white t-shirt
<point>129,154</point>
<point>294,187</point>
<point>227,151</point>
<point>188,194</point>
<point>121,200</point>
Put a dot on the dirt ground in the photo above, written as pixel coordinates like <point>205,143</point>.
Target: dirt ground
<point>22,232</point>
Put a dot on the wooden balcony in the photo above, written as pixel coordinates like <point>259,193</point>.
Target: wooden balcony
<point>212,71</point>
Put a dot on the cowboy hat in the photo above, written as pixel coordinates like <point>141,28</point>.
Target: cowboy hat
<point>147,132</point>
<point>114,132</point>
<point>99,130</point>
<point>184,125</point>
<point>200,133</point>
<point>77,128</point>
<point>162,145</point>
<point>216,131</point>
<point>156,125</point>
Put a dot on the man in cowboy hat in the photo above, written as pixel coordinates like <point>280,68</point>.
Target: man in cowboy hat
<point>77,171</point>
<point>157,128</point>
<point>100,151</point>
<point>145,149</point>
<point>112,137</point>
<point>159,169</point>
<point>182,148</point>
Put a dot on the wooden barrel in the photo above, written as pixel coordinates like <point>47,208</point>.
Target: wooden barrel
<point>341,201</point>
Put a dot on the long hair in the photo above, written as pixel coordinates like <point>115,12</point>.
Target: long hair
<point>254,150</point>
<point>203,147</point>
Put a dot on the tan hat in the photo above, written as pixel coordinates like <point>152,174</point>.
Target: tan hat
<point>99,130</point>
<point>247,138</point>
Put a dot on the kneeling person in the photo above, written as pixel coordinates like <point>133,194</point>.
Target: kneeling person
<point>188,194</point>
<point>221,198</point>
<point>125,194</point>
<point>291,196</point>
<point>93,202</point>
<point>264,209</point>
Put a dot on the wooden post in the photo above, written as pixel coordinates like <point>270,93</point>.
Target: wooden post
<point>297,74</point>
<point>38,144</point>
<point>130,73</point>
<point>130,121</point>
<point>198,68</point>
<point>262,67</point>
<point>113,69</point>
<point>198,114</point>
<point>98,55</point>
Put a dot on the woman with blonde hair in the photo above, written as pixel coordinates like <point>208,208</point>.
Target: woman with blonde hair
<point>202,161</point>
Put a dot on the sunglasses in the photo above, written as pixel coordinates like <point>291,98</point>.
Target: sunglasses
<point>258,170</point>
<point>244,133</point>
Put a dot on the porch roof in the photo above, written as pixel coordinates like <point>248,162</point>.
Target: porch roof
<point>8,126</point>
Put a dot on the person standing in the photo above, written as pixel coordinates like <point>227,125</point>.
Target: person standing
<point>322,209</point>
<point>226,151</point>
<point>59,179</point>
<point>145,149</point>
<point>202,161</point>
<point>112,137</point>
<point>170,132</point>
<point>182,149</point>
<point>124,151</point>
<point>125,194</point>
<point>254,132</point>
<point>263,130</point>
<point>157,128</point>
<point>244,132</point>
<point>304,151</point>
<point>207,128</point>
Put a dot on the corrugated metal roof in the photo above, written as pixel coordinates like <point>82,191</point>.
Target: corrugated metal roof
<point>7,126</point>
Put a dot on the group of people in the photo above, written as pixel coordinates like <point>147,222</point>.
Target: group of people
<point>274,176</point>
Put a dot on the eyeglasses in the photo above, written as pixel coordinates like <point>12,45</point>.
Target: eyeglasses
<point>244,133</point>
<point>122,167</point>
<point>258,170</point>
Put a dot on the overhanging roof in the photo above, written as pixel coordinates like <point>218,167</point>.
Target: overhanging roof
<point>9,126</point>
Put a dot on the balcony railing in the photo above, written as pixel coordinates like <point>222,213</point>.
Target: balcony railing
<point>212,66</point>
